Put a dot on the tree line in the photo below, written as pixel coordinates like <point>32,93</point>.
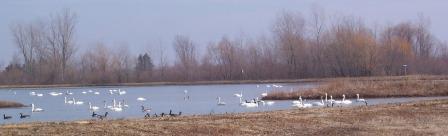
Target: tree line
<point>298,47</point>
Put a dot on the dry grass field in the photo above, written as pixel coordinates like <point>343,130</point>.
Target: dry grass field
<point>417,118</point>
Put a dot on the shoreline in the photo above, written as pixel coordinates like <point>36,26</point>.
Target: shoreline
<point>385,119</point>
<point>224,82</point>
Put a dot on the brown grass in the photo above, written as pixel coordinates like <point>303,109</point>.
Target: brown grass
<point>9,104</point>
<point>413,86</point>
<point>419,118</point>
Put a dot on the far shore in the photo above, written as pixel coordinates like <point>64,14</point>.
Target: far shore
<point>309,80</point>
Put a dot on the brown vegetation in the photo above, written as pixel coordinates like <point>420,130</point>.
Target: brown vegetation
<point>418,118</point>
<point>9,104</point>
<point>372,87</point>
<point>297,48</point>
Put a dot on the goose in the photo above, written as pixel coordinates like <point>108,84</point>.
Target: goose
<point>102,116</point>
<point>141,99</point>
<point>34,109</point>
<point>6,117</point>
<point>360,100</point>
<point>220,103</point>
<point>22,116</point>
<point>145,110</point>
<point>94,114</point>
<point>68,102</point>
<point>94,108</point>
<point>77,102</point>
<point>174,115</point>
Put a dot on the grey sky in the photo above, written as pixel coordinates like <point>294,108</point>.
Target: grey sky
<point>145,24</point>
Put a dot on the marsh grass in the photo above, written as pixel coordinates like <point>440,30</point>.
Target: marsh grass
<point>9,104</point>
<point>412,86</point>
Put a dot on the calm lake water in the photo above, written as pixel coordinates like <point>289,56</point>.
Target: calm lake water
<point>202,100</point>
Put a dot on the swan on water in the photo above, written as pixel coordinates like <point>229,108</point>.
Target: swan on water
<point>94,108</point>
<point>360,100</point>
<point>220,103</point>
<point>141,99</point>
<point>34,109</point>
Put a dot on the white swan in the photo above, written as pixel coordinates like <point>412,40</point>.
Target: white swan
<point>97,93</point>
<point>344,101</point>
<point>121,92</point>
<point>249,104</point>
<point>39,94</point>
<point>54,93</point>
<point>32,93</point>
<point>269,103</point>
<point>67,102</point>
<point>297,101</point>
<point>265,93</point>
<point>360,100</point>
<point>77,102</point>
<point>34,109</point>
<point>301,104</point>
<point>68,93</point>
<point>141,99</point>
<point>240,95</point>
<point>319,103</point>
<point>220,103</point>
<point>94,108</point>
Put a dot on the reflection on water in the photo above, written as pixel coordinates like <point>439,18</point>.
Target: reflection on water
<point>190,100</point>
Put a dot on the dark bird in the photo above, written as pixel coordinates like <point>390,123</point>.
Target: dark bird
<point>6,117</point>
<point>22,116</point>
<point>102,116</point>
<point>94,114</point>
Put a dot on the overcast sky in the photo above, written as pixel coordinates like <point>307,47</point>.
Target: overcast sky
<point>144,25</point>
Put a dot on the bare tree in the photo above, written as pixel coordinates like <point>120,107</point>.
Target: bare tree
<point>186,55</point>
<point>61,39</point>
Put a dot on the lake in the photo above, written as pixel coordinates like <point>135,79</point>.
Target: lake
<point>188,99</point>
